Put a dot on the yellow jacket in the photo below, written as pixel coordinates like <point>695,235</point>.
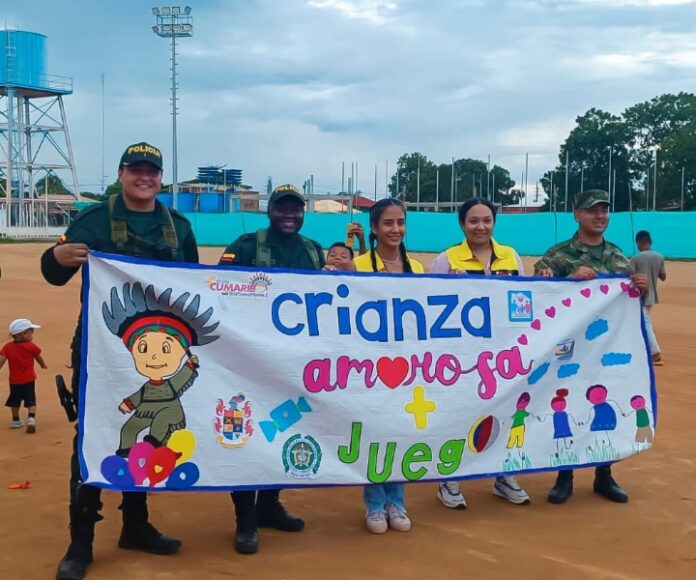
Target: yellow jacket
<point>504,259</point>
<point>364,264</point>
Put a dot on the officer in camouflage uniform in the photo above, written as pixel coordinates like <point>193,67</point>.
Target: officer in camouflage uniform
<point>582,257</point>
<point>278,246</point>
<point>134,224</point>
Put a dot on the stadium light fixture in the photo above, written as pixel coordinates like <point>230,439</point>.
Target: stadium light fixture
<point>171,23</point>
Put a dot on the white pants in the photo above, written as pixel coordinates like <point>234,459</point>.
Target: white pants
<point>652,339</point>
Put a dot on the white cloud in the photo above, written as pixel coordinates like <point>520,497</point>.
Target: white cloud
<point>544,135</point>
<point>374,11</point>
<point>639,3</point>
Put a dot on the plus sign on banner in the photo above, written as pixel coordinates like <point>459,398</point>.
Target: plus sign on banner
<point>200,377</point>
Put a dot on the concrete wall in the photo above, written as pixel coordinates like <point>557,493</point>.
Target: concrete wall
<point>531,234</point>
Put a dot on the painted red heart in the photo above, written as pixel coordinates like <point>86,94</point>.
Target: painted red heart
<point>392,372</point>
<point>550,312</point>
<point>536,324</point>
<point>523,339</point>
<point>633,292</point>
<point>625,286</point>
<point>566,302</point>
<point>586,292</point>
<point>604,289</point>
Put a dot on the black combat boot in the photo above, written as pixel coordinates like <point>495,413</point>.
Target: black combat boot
<point>605,485</point>
<point>138,533</point>
<point>563,487</point>
<point>78,557</point>
<point>270,513</point>
<point>246,536</point>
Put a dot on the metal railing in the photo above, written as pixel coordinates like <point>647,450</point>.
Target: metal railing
<point>31,219</point>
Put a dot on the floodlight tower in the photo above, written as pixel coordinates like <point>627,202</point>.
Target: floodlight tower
<point>173,23</point>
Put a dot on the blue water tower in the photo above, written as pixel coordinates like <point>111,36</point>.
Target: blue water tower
<point>33,129</point>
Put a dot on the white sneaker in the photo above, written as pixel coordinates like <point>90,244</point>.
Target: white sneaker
<point>376,522</point>
<point>450,495</point>
<point>508,488</point>
<point>16,424</point>
<point>398,520</point>
<point>31,425</point>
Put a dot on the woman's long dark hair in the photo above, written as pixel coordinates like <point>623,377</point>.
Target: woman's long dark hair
<point>375,213</point>
<point>474,201</point>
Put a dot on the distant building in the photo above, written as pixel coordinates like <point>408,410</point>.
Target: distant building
<point>359,203</point>
<point>217,175</point>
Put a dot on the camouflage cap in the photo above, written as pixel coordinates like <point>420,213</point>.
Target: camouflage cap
<point>590,198</point>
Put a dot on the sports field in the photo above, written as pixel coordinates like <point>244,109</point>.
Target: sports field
<point>653,536</point>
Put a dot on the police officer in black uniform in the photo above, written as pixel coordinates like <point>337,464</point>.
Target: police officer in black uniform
<point>278,246</point>
<point>135,224</point>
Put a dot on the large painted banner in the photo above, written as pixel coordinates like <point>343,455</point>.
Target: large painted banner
<point>199,377</point>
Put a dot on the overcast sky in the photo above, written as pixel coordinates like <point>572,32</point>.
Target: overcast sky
<point>292,87</point>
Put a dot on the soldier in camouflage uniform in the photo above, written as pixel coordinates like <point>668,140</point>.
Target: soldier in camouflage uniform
<point>582,257</point>
<point>278,246</point>
<point>132,224</point>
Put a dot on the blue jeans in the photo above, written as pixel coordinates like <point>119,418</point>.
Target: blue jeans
<point>377,496</point>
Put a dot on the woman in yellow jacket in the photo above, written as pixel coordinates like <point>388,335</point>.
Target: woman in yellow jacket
<point>384,502</point>
<point>479,254</point>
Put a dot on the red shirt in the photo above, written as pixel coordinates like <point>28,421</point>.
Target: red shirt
<point>20,356</point>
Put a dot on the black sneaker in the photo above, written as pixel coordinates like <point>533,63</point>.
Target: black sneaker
<point>148,539</point>
<point>563,487</point>
<point>605,485</point>
<point>74,564</point>
<point>246,541</point>
<point>276,516</point>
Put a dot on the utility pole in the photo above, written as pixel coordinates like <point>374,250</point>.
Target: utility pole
<point>375,182</point>
<point>418,185</point>
<point>452,200</point>
<point>567,166</point>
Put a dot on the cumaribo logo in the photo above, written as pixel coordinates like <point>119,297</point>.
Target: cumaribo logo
<point>256,286</point>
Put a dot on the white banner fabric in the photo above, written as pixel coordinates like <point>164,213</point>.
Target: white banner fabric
<point>208,378</point>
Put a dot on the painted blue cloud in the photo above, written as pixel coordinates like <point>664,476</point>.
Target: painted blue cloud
<point>597,329</point>
<point>537,373</point>
<point>565,371</point>
<point>616,358</point>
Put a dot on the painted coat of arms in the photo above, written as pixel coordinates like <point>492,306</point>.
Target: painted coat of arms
<point>233,424</point>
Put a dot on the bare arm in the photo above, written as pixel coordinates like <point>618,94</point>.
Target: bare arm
<point>2,361</point>
<point>40,360</point>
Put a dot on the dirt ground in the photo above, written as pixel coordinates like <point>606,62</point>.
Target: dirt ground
<point>654,535</point>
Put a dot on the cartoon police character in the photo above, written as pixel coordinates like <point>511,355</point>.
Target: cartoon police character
<point>159,336</point>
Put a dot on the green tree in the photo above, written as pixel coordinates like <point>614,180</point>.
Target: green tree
<point>51,183</point>
<point>665,124</point>
<point>114,189</point>
<point>598,140</point>
<point>471,179</point>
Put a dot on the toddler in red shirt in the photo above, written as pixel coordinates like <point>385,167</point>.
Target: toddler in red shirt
<point>21,353</point>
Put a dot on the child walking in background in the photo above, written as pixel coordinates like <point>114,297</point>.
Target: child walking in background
<point>20,354</point>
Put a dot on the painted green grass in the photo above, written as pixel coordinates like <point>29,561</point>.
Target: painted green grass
<point>513,463</point>
<point>565,457</point>
<point>601,451</point>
